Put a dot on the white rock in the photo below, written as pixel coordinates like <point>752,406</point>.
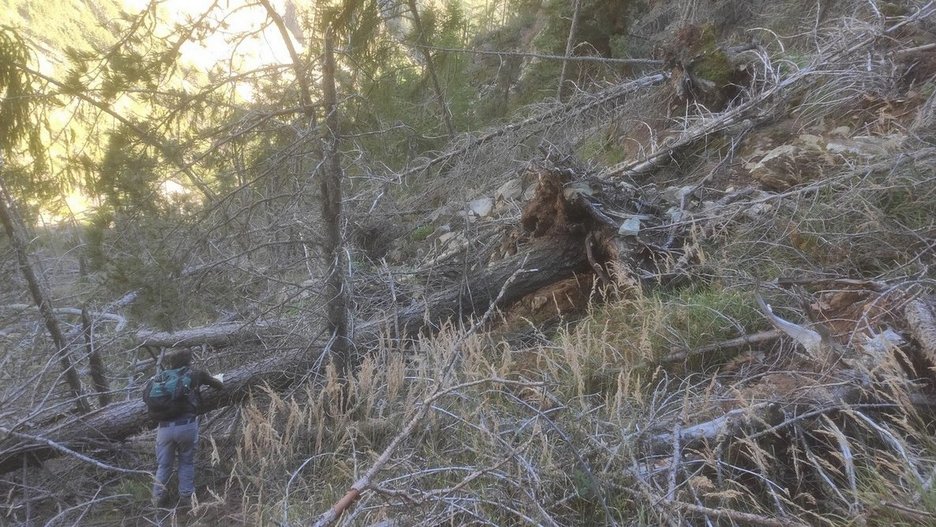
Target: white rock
<point>841,131</point>
<point>867,145</point>
<point>481,207</point>
<point>630,227</point>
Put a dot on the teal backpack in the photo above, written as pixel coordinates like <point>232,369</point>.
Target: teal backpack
<point>167,394</point>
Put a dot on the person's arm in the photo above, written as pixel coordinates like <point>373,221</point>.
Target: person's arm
<point>205,378</point>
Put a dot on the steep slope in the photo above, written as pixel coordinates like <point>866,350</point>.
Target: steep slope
<point>669,205</point>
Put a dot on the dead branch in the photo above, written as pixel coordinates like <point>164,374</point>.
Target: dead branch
<point>69,452</point>
<point>922,324</point>
<point>809,339</point>
<point>763,419</point>
<point>734,516</point>
<point>569,58</point>
<point>120,321</point>
<point>744,340</point>
<point>542,120</point>
<point>95,361</point>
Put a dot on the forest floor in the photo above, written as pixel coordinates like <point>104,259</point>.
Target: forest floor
<point>705,298</point>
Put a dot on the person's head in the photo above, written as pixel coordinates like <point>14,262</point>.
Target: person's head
<point>180,358</point>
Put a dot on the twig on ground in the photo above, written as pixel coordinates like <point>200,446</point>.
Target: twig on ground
<point>744,340</point>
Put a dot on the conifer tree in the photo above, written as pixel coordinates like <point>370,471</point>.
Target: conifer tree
<point>15,126</point>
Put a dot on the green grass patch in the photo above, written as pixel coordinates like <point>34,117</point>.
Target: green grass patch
<point>421,233</point>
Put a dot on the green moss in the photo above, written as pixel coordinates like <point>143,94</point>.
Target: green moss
<point>892,10</point>
<point>600,147</point>
<point>421,233</point>
<point>714,66</point>
<point>700,316</point>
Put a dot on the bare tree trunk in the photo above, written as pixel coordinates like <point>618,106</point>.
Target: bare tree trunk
<point>95,362</point>
<point>570,43</point>
<point>298,68</point>
<point>430,67</point>
<point>10,219</point>
<point>336,285</point>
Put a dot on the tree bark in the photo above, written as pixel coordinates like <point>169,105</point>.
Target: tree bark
<point>543,263</point>
<point>570,43</point>
<point>305,96</point>
<point>11,222</point>
<point>95,362</point>
<point>336,283</point>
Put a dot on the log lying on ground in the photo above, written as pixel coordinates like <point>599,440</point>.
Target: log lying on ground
<point>539,265</point>
<point>119,421</point>
<point>218,335</point>
<point>119,320</point>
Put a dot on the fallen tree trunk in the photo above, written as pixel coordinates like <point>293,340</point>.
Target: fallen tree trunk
<point>119,421</point>
<point>120,321</point>
<point>218,335</point>
<point>538,265</point>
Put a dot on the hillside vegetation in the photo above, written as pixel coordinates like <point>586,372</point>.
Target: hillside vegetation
<point>690,283</point>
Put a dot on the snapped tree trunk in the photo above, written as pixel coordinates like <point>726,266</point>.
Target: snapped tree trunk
<point>11,222</point>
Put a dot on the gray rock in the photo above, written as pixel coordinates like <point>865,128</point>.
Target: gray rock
<point>509,191</point>
<point>578,187</point>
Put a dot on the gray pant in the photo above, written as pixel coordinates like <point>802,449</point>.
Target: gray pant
<point>176,441</point>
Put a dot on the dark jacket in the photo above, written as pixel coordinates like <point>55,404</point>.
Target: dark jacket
<point>199,378</point>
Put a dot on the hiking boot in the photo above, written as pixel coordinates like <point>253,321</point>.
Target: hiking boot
<point>161,501</point>
<point>185,503</point>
